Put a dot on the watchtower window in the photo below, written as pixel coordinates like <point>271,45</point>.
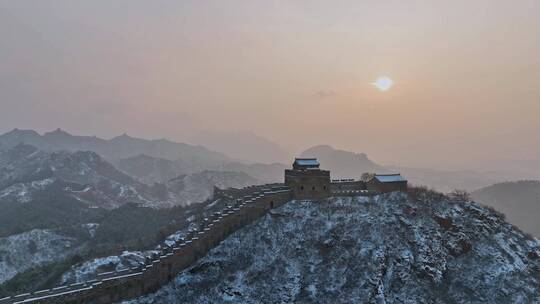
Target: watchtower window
<point>302,188</point>
<point>324,187</point>
<point>313,188</point>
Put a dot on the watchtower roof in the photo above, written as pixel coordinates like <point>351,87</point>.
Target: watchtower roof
<point>389,178</point>
<point>306,163</point>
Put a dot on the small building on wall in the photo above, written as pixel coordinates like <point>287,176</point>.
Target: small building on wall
<point>383,183</point>
<point>307,180</point>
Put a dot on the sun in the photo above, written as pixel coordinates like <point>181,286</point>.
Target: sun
<point>383,83</point>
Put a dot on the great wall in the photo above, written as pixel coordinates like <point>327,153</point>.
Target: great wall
<point>305,181</point>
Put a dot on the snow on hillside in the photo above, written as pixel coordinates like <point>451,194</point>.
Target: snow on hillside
<point>37,247</point>
<point>89,269</point>
<point>27,173</point>
<point>127,259</point>
<point>24,192</point>
<point>389,249</point>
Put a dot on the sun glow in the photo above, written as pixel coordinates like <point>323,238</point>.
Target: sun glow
<point>383,83</point>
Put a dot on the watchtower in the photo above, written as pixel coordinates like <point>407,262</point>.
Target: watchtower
<point>307,180</point>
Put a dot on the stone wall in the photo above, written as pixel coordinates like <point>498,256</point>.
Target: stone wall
<point>231,193</point>
<point>308,184</point>
<point>347,184</point>
<point>350,187</point>
<point>130,283</point>
<point>377,186</point>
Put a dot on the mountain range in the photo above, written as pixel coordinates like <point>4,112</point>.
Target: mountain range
<point>144,163</point>
<point>159,160</point>
<point>117,148</point>
<point>26,173</point>
<point>243,146</point>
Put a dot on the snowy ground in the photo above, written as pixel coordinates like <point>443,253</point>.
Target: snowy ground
<point>390,249</point>
<point>23,192</point>
<point>37,247</point>
<point>88,270</point>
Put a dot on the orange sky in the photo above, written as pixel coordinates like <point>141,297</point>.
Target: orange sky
<point>467,73</point>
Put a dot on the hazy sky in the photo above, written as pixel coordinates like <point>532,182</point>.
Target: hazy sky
<point>467,73</point>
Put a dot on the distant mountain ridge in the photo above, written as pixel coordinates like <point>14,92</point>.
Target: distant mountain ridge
<point>346,164</point>
<point>119,147</point>
<point>447,181</point>
<point>243,146</point>
<point>520,201</point>
<point>150,169</point>
<point>159,160</point>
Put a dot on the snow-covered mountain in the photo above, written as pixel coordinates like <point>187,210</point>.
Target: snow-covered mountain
<point>33,248</point>
<point>26,172</point>
<point>149,169</point>
<point>394,248</point>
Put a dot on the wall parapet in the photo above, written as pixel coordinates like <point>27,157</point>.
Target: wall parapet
<point>307,172</point>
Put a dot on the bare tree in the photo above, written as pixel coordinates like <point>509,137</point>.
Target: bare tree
<point>461,195</point>
<point>367,176</point>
